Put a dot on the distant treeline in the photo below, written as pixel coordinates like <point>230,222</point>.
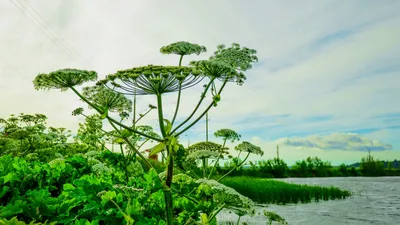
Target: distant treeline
<point>312,167</point>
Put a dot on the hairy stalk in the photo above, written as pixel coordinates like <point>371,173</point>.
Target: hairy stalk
<point>201,116</point>
<point>219,180</point>
<point>168,205</point>
<point>160,115</point>
<point>167,188</point>
<point>167,191</point>
<point>216,162</point>
<point>177,103</point>
<point>197,107</point>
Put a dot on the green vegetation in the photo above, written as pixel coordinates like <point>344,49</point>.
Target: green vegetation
<point>278,192</point>
<point>45,178</point>
<point>310,167</point>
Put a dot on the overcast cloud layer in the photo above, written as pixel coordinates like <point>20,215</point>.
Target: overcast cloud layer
<point>326,68</point>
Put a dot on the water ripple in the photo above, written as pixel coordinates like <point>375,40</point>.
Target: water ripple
<point>375,201</point>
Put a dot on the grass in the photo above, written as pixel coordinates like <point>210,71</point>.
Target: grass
<point>267,191</point>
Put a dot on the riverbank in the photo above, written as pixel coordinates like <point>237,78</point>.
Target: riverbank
<point>268,191</point>
<point>375,200</point>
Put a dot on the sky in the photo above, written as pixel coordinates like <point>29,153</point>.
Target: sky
<point>327,83</point>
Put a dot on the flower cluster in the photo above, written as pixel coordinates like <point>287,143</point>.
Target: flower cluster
<point>153,80</point>
<point>248,147</point>
<point>63,79</point>
<point>229,196</point>
<point>107,99</point>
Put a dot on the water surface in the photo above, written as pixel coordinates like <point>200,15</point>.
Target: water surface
<point>375,200</point>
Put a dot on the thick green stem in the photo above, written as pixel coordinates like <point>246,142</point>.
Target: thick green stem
<point>134,110</point>
<point>216,162</point>
<point>240,164</point>
<point>238,220</point>
<point>177,103</point>
<point>168,206</point>
<point>180,60</point>
<point>201,116</point>
<point>126,163</point>
<point>160,115</point>
<point>167,191</point>
<point>203,160</point>
<point>197,107</point>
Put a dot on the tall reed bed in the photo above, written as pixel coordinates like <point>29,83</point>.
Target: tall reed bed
<point>278,192</point>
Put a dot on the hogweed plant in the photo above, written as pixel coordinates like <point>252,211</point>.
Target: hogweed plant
<point>109,96</point>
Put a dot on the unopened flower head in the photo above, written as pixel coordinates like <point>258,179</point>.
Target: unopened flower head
<point>202,154</point>
<point>248,147</point>
<point>183,48</point>
<point>107,99</point>
<point>205,145</point>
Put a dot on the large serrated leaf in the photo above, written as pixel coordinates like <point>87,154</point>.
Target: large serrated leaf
<point>11,177</point>
<point>157,149</point>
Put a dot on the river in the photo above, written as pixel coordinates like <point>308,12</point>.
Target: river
<point>375,200</point>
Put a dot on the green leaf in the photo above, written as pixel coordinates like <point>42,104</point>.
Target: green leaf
<point>126,133</point>
<point>157,149</point>
<point>109,195</point>
<point>168,127</point>
<point>105,113</point>
<point>119,141</point>
<point>120,198</point>
<point>11,177</point>
<point>4,191</point>
<point>68,187</point>
<point>12,209</point>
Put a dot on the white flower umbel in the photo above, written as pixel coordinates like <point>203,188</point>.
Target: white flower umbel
<point>229,196</point>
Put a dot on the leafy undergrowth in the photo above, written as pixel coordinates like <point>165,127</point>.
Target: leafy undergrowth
<point>278,192</point>
<point>80,190</point>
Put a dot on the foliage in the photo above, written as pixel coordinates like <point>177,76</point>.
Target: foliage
<point>28,136</point>
<point>109,95</point>
<point>269,168</point>
<point>371,167</point>
<point>278,192</point>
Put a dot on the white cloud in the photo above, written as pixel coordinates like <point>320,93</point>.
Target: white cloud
<point>298,74</point>
<point>337,141</point>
